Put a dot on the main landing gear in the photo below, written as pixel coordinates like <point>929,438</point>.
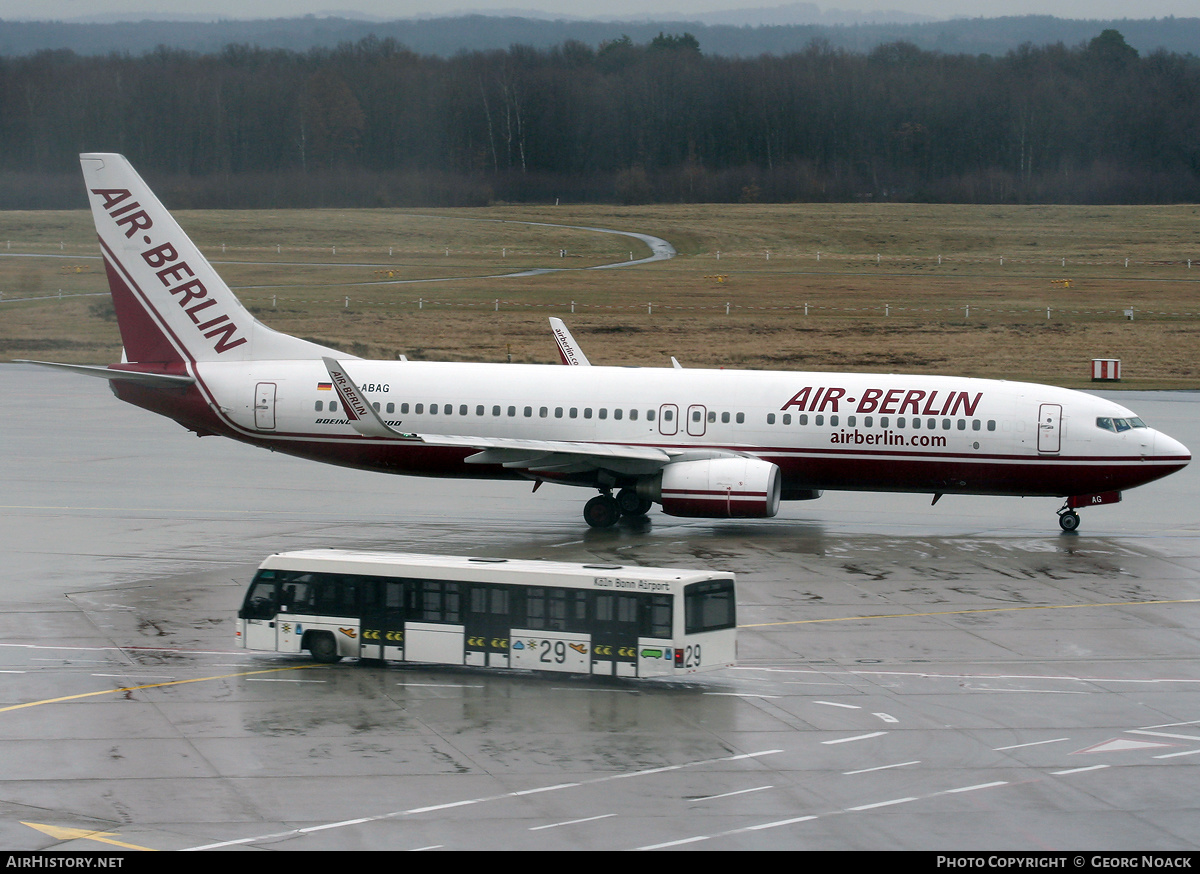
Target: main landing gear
<point>604,511</point>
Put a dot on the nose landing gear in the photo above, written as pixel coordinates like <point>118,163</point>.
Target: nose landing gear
<point>1068,519</point>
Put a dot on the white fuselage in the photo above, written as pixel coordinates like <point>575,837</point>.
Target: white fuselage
<point>824,430</point>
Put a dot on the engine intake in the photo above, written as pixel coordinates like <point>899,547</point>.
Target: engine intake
<point>717,488</point>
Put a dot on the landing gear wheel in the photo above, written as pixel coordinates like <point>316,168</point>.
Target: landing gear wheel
<point>601,511</point>
<point>1068,520</point>
<point>633,504</point>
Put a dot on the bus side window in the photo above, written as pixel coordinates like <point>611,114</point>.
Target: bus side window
<point>535,608</point>
<point>393,596</point>
<point>335,598</point>
<point>435,601</point>
<point>657,616</point>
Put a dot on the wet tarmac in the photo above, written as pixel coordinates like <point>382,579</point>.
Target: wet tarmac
<point>955,677</point>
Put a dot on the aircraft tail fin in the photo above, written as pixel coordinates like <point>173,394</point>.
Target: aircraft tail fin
<point>171,306</point>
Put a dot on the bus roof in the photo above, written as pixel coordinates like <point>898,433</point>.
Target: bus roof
<point>369,562</point>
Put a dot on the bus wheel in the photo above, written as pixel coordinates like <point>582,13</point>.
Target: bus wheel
<point>323,648</point>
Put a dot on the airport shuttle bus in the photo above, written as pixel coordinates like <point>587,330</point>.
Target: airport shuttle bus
<point>500,613</point>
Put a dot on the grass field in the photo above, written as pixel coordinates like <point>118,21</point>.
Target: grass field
<point>1031,293</point>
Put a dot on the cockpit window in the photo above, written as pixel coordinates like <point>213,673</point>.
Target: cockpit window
<point>1117,425</point>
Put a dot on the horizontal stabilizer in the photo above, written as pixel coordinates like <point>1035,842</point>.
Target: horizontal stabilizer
<point>156,380</point>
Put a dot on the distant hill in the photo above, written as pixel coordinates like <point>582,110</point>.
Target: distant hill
<point>446,37</point>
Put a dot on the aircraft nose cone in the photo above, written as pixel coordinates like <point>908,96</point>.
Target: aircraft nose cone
<point>1169,448</point>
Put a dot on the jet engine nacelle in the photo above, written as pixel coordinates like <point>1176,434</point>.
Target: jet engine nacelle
<point>716,488</point>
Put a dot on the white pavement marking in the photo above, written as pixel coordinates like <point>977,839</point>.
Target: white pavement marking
<point>470,801</point>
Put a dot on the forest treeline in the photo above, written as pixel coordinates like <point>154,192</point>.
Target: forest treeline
<point>374,124</point>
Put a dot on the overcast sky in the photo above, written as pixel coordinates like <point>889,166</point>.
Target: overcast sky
<point>65,9</point>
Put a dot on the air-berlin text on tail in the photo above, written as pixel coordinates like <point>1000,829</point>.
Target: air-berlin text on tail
<point>172,272</point>
<point>885,401</point>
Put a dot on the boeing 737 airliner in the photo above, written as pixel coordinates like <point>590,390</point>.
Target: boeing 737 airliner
<point>703,443</point>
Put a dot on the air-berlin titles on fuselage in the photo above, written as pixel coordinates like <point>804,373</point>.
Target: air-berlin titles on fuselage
<point>887,402</point>
<point>191,295</point>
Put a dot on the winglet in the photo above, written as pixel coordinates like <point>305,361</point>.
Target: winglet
<point>358,409</point>
<point>568,349</point>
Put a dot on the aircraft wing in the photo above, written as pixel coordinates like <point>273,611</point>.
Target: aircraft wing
<point>545,456</point>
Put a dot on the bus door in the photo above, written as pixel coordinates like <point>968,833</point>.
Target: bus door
<point>615,634</point>
<point>295,605</point>
<point>259,612</point>
<point>486,624</point>
<point>383,620</point>
<point>655,652</point>
<point>433,630</point>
